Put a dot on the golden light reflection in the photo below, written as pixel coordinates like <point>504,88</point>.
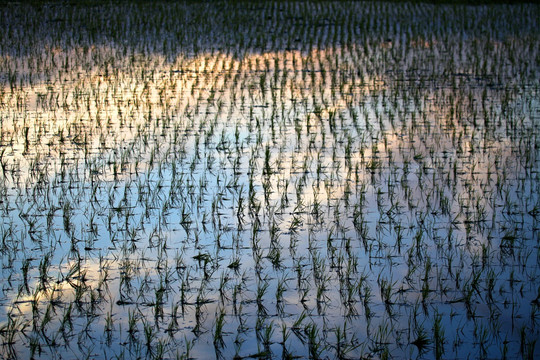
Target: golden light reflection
<point>108,108</point>
<point>76,283</point>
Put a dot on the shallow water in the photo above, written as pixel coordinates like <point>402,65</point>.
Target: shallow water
<point>318,179</point>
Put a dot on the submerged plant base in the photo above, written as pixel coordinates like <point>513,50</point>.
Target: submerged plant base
<point>285,179</point>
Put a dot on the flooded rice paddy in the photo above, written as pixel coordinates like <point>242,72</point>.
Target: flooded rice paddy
<point>278,180</point>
